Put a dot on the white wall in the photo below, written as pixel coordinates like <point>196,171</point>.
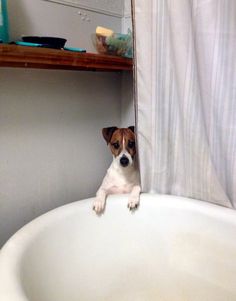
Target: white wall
<point>127,19</point>
<point>51,148</point>
<point>127,101</point>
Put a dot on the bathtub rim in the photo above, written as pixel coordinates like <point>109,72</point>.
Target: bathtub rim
<point>163,200</point>
<point>13,250</point>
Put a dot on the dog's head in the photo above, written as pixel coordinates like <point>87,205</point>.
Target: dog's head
<point>122,144</point>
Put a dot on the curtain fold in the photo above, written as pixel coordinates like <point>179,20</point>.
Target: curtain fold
<point>186,97</point>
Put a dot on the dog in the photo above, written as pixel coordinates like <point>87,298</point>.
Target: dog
<point>122,175</point>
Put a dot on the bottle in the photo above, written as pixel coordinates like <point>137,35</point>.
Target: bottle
<point>3,22</point>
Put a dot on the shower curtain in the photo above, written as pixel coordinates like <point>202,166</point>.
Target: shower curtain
<point>185,54</point>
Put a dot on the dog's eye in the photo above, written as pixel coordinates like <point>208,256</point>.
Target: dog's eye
<point>131,144</point>
<point>116,145</point>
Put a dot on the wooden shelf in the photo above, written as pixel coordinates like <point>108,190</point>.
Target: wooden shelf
<point>45,58</point>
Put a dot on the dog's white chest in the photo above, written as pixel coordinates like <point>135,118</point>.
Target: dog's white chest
<point>126,188</point>
<point>120,181</point>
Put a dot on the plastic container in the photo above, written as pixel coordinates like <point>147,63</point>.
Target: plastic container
<point>4,36</point>
<point>116,44</point>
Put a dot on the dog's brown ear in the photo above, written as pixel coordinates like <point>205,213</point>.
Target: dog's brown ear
<point>107,133</point>
<point>131,128</point>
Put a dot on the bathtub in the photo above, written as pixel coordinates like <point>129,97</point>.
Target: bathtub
<point>170,249</point>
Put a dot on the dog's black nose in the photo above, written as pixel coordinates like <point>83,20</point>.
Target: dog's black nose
<point>124,161</point>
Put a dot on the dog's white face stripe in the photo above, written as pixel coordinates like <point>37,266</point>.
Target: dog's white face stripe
<point>123,142</point>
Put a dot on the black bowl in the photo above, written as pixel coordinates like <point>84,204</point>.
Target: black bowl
<point>51,42</point>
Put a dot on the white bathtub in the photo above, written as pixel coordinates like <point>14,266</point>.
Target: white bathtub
<point>171,249</point>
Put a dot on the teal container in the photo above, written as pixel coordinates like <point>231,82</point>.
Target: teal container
<point>4,36</point>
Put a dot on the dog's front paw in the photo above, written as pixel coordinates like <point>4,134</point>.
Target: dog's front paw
<point>133,203</point>
<point>98,205</point>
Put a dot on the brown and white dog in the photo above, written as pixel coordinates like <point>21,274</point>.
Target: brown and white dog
<point>122,176</point>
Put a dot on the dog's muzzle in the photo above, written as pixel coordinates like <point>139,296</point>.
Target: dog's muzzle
<point>124,161</point>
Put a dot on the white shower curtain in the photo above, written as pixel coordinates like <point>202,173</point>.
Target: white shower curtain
<point>186,97</point>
